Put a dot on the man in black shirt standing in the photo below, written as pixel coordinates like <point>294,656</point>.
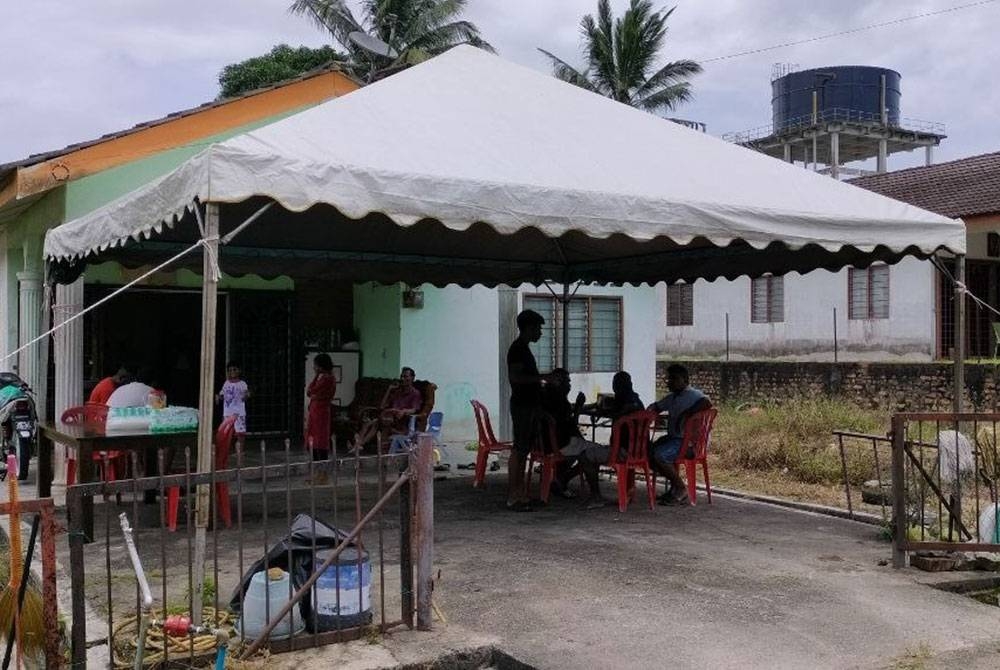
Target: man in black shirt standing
<point>525,401</point>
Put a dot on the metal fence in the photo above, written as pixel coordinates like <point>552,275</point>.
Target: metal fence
<point>945,471</point>
<point>266,493</point>
<point>44,512</point>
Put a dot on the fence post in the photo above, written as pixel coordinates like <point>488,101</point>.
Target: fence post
<point>898,493</point>
<point>836,344</point>
<point>406,555</point>
<point>78,634</point>
<point>727,337</point>
<point>424,470</point>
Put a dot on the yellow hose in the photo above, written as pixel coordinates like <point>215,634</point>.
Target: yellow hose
<point>159,645</point>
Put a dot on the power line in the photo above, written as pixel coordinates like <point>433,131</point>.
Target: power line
<point>872,26</point>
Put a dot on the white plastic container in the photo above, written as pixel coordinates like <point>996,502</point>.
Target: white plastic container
<point>267,596</point>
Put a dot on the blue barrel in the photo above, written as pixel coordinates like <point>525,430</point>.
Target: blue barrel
<point>351,581</point>
<point>856,89</point>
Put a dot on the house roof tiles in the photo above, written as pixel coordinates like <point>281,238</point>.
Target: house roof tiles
<point>964,187</point>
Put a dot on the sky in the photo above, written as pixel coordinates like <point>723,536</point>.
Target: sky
<point>77,70</point>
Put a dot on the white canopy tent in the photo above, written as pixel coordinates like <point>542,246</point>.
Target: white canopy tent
<point>468,169</point>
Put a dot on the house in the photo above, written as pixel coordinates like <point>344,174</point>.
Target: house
<point>161,316</point>
<point>270,323</point>
<point>884,312</point>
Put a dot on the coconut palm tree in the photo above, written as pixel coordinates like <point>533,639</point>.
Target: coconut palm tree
<point>621,54</point>
<point>415,29</point>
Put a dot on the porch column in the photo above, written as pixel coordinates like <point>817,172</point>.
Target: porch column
<point>507,299</point>
<point>29,283</point>
<point>68,359</point>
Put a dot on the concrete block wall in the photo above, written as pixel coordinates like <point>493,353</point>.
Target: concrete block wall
<point>894,387</point>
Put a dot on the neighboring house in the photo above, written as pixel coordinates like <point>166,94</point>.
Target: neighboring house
<point>161,320</point>
<point>899,312</point>
<point>454,337</point>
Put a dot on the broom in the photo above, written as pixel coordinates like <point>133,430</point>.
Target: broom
<point>28,624</point>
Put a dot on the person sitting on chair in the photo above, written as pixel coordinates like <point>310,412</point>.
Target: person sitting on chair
<point>571,443</point>
<point>682,401</point>
<point>625,401</point>
<point>401,401</point>
<point>102,392</point>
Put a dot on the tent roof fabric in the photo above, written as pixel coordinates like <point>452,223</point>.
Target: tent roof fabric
<point>467,156</point>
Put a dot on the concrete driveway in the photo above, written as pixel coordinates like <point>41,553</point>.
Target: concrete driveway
<point>731,585</point>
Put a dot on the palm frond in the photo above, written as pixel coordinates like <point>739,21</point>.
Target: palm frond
<point>333,16</point>
<point>667,98</point>
<point>598,39</point>
<point>671,73</point>
<point>446,36</point>
<point>566,72</point>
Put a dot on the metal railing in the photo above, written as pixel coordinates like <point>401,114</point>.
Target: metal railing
<point>834,115</point>
<point>266,493</point>
<point>45,509</point>
<point>945,472</point>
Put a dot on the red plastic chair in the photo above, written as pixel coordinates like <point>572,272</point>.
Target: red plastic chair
<point>694,450</point>
<point>223,443</point>
<point>95,414</point>
<point>488,442</point>
<point>629,453</point>
<point>545,450</point>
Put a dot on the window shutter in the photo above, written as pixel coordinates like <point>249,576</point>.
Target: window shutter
<point>605,340</point>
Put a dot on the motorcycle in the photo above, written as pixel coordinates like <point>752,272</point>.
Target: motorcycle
<point>18,423</point>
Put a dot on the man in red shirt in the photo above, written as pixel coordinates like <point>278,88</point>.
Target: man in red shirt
<point>400,402</point>
<point>107,386</point>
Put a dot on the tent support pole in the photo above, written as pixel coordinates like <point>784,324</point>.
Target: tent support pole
<point>960,327</point>
<point>565,325</point>
<point>206,397</point>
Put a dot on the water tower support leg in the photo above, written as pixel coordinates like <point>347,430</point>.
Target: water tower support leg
<point>835,155</point>
<point>788,153</point>
<point>929,155</point>
<point>883,151</point>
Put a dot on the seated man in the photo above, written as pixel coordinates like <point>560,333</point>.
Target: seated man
<point>679,404</point>
<point>626,401</point>
<point>102,392</point>
<point>571,443</point>
<point>135,393</point>
<point>400,402</point>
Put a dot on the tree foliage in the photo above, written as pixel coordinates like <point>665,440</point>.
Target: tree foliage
<point>415,29</point>
<point>621,54</point>
<point>281,63</point>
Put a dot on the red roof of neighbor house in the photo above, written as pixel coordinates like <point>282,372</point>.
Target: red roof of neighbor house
<point>963,187</point>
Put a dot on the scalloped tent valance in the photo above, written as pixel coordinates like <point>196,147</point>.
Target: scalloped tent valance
<point>468,169</point>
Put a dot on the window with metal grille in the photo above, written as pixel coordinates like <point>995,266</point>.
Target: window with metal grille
<point>767,299</point>
<point>595,333</point>
<point>868,292</point>
<point>680,305</point>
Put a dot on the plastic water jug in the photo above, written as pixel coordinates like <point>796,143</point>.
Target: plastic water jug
<point>267,594</point>
<point>343,578</point>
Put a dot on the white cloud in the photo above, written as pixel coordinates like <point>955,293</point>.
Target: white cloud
<point>81,69</point>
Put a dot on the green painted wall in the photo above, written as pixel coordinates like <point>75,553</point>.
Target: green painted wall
<point>112,273</point>
<point>377,320</point>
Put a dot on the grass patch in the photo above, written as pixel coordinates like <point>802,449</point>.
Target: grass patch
<point>796,438</point>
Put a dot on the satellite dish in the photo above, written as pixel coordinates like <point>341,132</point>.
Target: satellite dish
<point>372,44</point>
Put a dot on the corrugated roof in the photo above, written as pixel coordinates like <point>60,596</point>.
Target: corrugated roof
<point>964,187</point>
<point>47,155</point>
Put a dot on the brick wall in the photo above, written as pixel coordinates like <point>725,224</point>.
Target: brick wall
<point>903,387</point>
